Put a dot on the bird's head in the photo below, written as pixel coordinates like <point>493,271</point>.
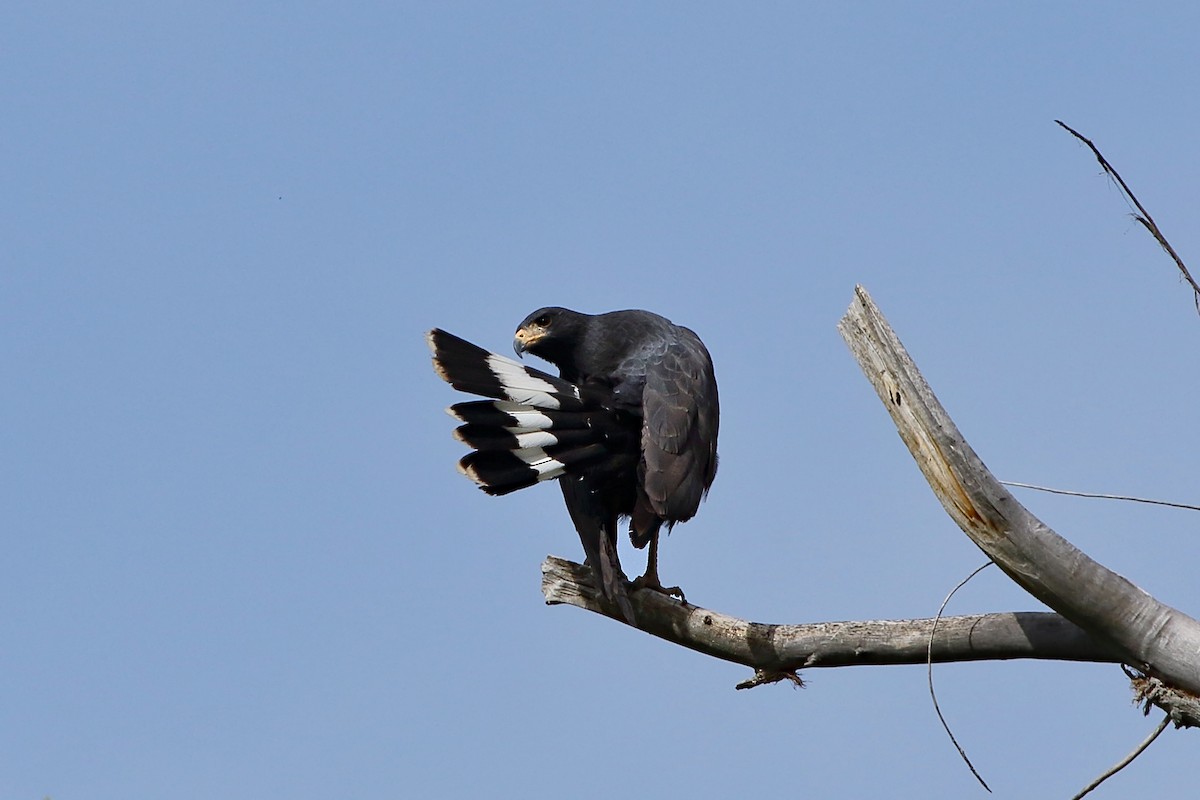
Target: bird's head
<point>550,333</point>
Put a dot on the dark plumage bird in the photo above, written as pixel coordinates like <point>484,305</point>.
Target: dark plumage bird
<point>629,428</point>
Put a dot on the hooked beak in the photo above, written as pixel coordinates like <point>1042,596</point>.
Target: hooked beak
<point>524,337</point>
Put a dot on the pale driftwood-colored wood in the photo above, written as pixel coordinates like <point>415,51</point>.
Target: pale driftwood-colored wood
<point>773,648</point>
<point>1151,636</point>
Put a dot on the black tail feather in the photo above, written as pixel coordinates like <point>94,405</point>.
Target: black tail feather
<point>487,437</point>
<point>503,471</point>
<point>537,427</point>
<point>470,368</point>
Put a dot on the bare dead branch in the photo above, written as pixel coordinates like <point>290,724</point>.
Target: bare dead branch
<point>1157,639</point>
<point>1127,760</point>
<point>929,675</point>
<point>1142,215</point>
<point>1125,497</point>
<point>775,650</point>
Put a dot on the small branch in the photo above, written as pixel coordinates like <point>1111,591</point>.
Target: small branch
<point>1142,215</point>
<point>1126,497</point>
<point>779,649</point>
<point>1127,760</point>
<point>929,674</point>
<point>761,677</point>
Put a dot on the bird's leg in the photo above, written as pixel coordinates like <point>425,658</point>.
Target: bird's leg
<point>611,578</point>
<point>650,580</point>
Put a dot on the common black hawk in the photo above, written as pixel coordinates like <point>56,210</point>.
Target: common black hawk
<point>629,428</point>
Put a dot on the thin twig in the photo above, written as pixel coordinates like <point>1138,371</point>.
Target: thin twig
<point>762,676</point>
<point>929,667</point>
<point>1102,496</point>
<point>1120,765</point>
<point>1142,215</point>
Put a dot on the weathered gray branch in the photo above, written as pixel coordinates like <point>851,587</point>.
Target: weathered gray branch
<point>785,648</point>
<point>1153,637</point>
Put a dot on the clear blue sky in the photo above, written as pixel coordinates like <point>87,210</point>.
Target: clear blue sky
<point>239,562</point>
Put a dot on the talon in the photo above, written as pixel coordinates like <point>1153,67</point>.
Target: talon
<point>652,583</point>
<point>650,579</point>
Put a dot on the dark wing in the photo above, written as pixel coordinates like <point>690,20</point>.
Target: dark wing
<point>680,411</point>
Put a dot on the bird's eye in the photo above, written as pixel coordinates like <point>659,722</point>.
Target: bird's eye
<point>542,321</point>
